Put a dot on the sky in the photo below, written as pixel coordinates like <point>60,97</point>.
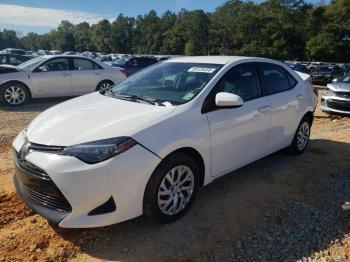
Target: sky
<point>41,16</point>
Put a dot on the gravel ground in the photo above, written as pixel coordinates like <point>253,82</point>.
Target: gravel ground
<point>280,208</point>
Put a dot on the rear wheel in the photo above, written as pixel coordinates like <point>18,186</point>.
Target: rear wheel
<point>301,137</point>
<point>171,188</point>
<point>14,94</point>
<point>104,86</point>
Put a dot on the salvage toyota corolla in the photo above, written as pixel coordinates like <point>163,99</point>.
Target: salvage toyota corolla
<point>147,144</point>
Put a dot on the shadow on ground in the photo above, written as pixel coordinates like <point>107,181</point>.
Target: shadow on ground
<point>281,208</point>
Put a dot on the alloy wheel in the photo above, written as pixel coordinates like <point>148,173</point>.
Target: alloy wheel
<point>176,190</point>
<point>14,95</point>
<point>303,135</point>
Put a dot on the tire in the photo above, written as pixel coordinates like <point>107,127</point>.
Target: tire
<point>301,137</point>
<point>154,206</point>
<point>14,94</point>
<point>104,85</point>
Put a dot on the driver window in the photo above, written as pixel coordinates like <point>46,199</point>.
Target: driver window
<point>59,64</point>
<point>241,80</point>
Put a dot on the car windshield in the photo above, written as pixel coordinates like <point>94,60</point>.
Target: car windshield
<point>324,69</point>
<point>167,83</point>
<point>30,64</point>
<point>121,61</point>
<point>345,79</point>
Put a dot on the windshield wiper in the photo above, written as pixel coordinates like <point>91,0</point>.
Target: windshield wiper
<point>137,98</point>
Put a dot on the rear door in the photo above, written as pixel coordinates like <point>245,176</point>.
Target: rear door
<point>53,78</point>
<point>86,75</point>
<point>277,84</point>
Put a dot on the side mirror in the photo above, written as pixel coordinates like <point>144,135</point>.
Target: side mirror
<point>43,69</point>
<point>224,99</point>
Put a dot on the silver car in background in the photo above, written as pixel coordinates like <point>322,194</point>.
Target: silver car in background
<point>55,76</point>
<point>336,98</point>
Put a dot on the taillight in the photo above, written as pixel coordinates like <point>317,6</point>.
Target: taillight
<point>123,71</point>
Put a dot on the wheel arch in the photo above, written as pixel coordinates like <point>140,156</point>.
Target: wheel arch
<point>309,115</point>
<point>19,82</point>
<point>197,157</point>
<point>104,80</point>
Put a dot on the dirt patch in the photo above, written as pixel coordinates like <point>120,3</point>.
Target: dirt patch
<point>12,209</point>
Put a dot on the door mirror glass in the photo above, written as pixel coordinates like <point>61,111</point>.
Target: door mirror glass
<point>43,69</point>
<point>224,99</point>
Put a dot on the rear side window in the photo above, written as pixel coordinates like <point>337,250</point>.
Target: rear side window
<point>3,59</point>
<point>274,78</point>
<point>84,64</point>
<point>241,80</point>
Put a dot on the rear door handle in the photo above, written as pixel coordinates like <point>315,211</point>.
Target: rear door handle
<point>66,75</point>
<point>263,109</point>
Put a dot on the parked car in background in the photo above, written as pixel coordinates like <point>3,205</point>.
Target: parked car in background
<point>134,64</point>
<point>54,76</point>
<point>336,98</point>
<point>11,59</point>
<point>325,74</point>
<point>148,144</point>
<point>14,51</point>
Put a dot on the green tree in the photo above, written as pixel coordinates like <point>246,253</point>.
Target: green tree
<point>122,34</point>
<point>101,36</point>
<point>82,36</point>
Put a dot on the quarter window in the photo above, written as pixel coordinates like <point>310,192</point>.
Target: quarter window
<point>274,78</point>
<point>241,80</point>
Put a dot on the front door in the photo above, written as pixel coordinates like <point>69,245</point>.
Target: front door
<point>239,135</point>
<point>53,78</point>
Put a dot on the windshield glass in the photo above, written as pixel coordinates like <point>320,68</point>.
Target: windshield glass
<point>345,79</point>
<point>324,69</point>
<point>176,83</point>
<point>121,61</point>
<point>30,64</point>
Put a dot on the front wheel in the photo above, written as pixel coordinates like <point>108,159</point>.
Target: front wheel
<point>14,94</point>
<point>171,188</point>
<point>104,86</point>
<point>301,137</point>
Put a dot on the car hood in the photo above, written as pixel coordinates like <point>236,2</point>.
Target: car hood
<point>93,117</point>
<point>339,87</point>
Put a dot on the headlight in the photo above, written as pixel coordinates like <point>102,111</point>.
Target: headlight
<point>98,151</point>
<point>329,92</point>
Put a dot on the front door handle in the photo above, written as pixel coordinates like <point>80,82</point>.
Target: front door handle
<point>263,109</point>
<point>66,75</point>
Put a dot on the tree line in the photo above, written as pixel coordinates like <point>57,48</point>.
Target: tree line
<point>280,29</point>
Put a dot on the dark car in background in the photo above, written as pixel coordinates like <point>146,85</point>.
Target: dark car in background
<point>134,64</point>
<point>14,51</point>
<point>12,59</point>
<point>325,74</point>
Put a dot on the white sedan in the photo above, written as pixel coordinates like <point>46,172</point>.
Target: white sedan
<point>55,76</point>
<point>145,146</point>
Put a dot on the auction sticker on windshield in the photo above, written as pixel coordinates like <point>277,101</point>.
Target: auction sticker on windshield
<point>207,70</point>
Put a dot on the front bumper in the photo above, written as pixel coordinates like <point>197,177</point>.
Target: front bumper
<point>335,104</point>
<point>86,187</point>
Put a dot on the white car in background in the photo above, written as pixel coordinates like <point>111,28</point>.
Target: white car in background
<point>146,145</point>
<point>55,76</point>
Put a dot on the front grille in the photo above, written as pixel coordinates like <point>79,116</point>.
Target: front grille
<point>38,186</point>
<point>29,167</point>
<point>339,105</point>
<point>343,94</point>
<point>57,203</point>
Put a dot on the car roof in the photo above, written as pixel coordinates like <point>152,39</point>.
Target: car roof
<point>208,59</point>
